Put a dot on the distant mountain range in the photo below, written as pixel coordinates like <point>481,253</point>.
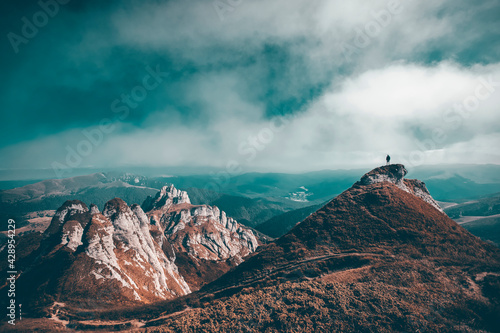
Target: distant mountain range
<point>251,198</point>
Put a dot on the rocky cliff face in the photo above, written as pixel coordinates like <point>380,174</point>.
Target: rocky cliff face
<point>204,232</point>
<point>70,210</point>
<point>115,253</point>
<point>205,240</point>
<point>166,198</point>
<point>126,255</point>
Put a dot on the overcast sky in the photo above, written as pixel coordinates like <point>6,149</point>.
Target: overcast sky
<point>274,85</point>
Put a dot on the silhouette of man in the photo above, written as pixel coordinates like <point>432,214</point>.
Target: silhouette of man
<point>388,159</point>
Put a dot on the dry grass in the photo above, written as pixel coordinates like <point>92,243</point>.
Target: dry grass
<point>407,296</point>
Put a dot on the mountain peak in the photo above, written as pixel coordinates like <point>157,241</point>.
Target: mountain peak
<point>165,198</point>
<point>202,237</point>
<point>395,173</point>
<point>93,209</point>
<point>70,210</point>
<point>383,215</point>
<point>392,173</point>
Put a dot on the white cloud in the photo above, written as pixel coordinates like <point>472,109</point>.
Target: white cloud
<point>355,125</point>
<point>404,90</point>
<point>320,26</point>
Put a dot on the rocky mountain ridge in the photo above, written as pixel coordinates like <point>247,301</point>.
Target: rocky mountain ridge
<point>124,255</point>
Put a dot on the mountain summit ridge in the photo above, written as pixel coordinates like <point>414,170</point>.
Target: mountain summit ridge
<point>378,257</point>
<point>382,214</point>
<point>395,173</point>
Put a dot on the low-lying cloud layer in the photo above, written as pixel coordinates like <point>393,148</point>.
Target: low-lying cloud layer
<point>280,85</point>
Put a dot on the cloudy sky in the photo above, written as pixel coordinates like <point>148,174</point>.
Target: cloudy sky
<point>280,85</point>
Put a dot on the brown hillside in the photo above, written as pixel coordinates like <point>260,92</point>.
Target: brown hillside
<point>379,257</point>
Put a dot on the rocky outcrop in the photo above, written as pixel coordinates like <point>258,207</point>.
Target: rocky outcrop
<point>166,198</point>
<point>203,238</point>
<point>94,209</point>
<point>204,232</point>
<point>70,210</point>
<point>395,173</point>
<point>72,233</point>
<point>124,253</point>
<point>418,188</point>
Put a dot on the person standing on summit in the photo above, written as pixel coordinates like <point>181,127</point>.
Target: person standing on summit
<point>388,159</point>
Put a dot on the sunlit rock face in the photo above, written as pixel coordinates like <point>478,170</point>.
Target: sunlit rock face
<point>205,238</point>
<point>130,255</point>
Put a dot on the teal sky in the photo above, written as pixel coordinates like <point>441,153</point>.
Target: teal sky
<point>264,85</point>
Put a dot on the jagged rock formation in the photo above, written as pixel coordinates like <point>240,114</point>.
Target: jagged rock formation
<point>203,237</point>
<point>166,198</point>
<point>204,232</point>
<point>124,255</point>
<point>115,256</point>
<point>393,173</point>
<point>70,209</point>
<point>72,232</point>
<point>94,209</point>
